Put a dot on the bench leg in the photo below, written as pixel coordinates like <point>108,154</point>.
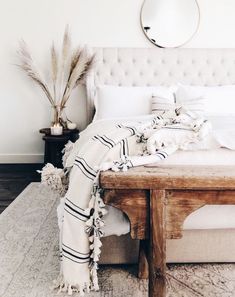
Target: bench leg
<point>157,245</point>
<point>143,260</point>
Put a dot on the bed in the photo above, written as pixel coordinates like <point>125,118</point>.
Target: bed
<point>215,235</point>
<point>163,200</point>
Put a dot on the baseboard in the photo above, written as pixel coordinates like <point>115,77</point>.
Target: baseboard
<point>22,158</point>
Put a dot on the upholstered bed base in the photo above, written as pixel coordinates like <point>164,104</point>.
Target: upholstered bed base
<point>196,246</point>
<point>148,67</point>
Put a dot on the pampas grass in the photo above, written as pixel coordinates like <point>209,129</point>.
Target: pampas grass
<point>69,68</point>
<point>28,66</point>
<point>54,69</point>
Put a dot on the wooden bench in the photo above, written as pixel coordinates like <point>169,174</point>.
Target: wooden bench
<point>157,200</point>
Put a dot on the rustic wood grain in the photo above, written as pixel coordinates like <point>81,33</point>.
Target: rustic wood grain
<point>173,177</point>
<point>135,204</point>
<point>177,191</point>
<point>181,203</point>
<point>157,245</point>
<point>143,272</point>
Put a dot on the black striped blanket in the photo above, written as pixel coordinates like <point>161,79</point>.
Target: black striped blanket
<point>117,147</point>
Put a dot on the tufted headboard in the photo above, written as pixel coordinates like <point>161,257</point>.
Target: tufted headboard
<point>154,66</point>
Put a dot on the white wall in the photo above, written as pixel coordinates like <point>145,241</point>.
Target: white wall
<point>23,108</point>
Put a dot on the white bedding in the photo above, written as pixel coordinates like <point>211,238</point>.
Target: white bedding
<point>213,157</point>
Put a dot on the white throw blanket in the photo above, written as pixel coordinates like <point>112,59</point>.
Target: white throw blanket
<point>118,147</point>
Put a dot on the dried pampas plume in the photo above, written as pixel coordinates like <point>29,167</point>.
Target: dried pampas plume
<point>54,69</point>
<point>66,48</point>
<point>81,64</point>
<point>69,68</point>
<point>28,66</point>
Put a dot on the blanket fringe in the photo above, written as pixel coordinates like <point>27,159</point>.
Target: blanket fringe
<point>66,152</point>
<point>64,287</point>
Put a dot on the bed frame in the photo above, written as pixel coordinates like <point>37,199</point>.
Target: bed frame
<point>157,200</point>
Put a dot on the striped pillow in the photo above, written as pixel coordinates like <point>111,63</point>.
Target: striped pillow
<point>174,98</point>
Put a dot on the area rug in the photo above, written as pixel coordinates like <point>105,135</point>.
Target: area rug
<point>29,258</point>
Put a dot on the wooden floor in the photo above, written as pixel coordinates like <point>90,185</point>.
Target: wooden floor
<point>13,179</point>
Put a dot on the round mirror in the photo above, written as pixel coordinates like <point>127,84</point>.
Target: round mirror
<point>170,23</point>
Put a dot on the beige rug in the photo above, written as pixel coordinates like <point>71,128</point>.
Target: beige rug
<point>29,258</point>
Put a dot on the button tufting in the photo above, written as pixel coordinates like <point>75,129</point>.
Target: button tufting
<point>152,69</point>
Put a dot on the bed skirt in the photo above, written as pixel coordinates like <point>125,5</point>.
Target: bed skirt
<point>212,245</point>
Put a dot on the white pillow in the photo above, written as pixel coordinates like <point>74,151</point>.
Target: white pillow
<point>190,100</point>
<point>218,100</point>
<point>163,100</point>
<point>117,102</point>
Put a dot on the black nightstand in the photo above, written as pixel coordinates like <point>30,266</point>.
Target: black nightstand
<point>54,144</point>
